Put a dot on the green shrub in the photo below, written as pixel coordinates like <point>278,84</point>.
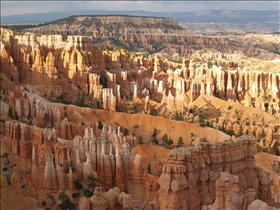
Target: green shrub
<point>167,142</point>
<point>66,204</point>
<point>78,185</point>
<point>92,182</point>
<point>140,140</point>
<point>88,193</point>
<point>44,203</point>
<point>154,136</point>
<point>180,142</point>
<point>75,195</point>
<point>125,132</point>
<point>100,126</point>
<point>229,107</point>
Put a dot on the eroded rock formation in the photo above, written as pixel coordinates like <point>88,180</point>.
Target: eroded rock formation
<point>196,176</point>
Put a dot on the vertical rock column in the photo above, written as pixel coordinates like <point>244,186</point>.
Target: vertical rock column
<point>50,181</point>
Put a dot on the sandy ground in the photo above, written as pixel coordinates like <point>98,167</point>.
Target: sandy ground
<point>265,161</point>
<point>154,155</point>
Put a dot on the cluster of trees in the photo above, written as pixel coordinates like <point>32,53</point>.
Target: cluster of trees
<point>175,59</point>
<point>167,142</point>
<point>83,100</point>
<point>106,47</point>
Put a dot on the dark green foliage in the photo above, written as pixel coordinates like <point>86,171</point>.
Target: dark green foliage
<point>266,105</point>
<point>202,120</point>
<point>135,107</point>
<point>64,37</point>
<point>229,107</point>
<point>44,203</point>
<point>153,112</point>
<point>209,124</point>
<point>175,59</point>
<point>75,195</point>
<point>167,142</point>
<point>140,140</point>
<point>52,32</point>
<point>105,47</point>
<point>51,199</point>
<point>154,136</point>
<point>130,97</point>
<point>230,132</point>
<point>78,185</point>
<point>61,98</point>
<point>125,131</point>
<point>239,134</point>
<point>100,126</point>
<point>178,116</point>
<point>81,99</point>
<point>88,193</point>
<point>10,113</point>
<point>96,104</point>
<point>180,142</point>
<point>92,182</point>
<point>203,139</point>
<point>209,64</point>
<point>66,204</point>
<point>261,149</point>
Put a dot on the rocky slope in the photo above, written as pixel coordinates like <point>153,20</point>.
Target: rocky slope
<point>152,34</point>
<point>200,21</point>
<point>57,143</point>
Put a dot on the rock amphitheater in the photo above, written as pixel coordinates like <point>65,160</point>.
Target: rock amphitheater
<point>71,112</point>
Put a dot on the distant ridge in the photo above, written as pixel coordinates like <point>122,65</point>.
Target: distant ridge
<point>181,17</point>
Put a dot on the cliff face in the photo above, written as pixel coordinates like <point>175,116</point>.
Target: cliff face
<point>63,143</point>
<point>49,65</point>
<point>53,159</point>
<point>226,171</point>
<point>210,174</point>
<point>43,62</point>
<point>151,33</point>
<point>55,68</point>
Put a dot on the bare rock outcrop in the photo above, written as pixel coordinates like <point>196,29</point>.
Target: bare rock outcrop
<point>259,204</point>
<point>111,199</point>
<point>188,180</point>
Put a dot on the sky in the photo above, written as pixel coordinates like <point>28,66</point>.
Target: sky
<point>25,7</point>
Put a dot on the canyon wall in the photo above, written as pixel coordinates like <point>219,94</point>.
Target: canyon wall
<point>220,172</point>
<point>53,162</point>
<point>50,65</point>
<point>55,68</point>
